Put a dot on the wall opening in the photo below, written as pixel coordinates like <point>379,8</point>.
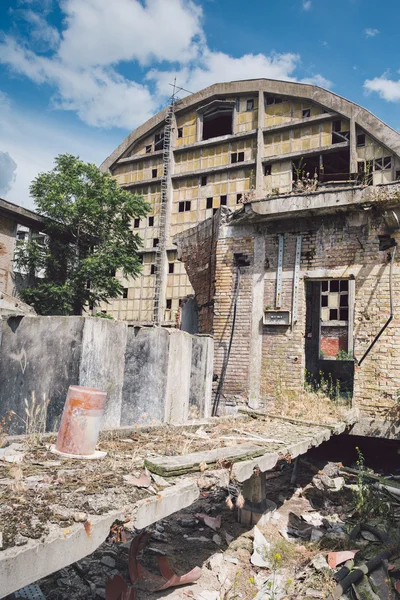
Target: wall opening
<point>329,335</point>
<point>217,121</point>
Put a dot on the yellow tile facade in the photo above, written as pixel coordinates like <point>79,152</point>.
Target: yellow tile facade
<point>197,195</point>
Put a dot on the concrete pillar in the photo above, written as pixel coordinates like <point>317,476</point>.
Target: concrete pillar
<point>179,370</point>
<point>201,376</point>
<point>256,322</point>
<point>256,506</point>
<point>260,147</point>
<point>353,146</point>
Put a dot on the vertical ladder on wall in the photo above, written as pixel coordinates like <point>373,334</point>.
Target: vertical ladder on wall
<point>161,250</point>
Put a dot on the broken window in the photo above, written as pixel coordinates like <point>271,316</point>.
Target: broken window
<point>180,132</point>
<point>125,292</point>
<point>152,269</point>
<point>218,120</point>
<point>159,141</point>
<point>339,136</point>
<point>239,198</point>
<point>148,149</point>
<point>361,139</point>
<point>136,223</point>
<point>154,173</point>
<point>383,163</point>
<point>223,200</point>
<point>203,180</point>
<point>237,157</point>
<point>335,166</point>
<point>267,170</point>
<point>209,203</point>
<point>184,206</point>
<point>169,303</point>
<point>306,113</point>
<point>329,334</point>
<point>156,241</point>
<point>171,267</point>
<point>151,221</point>
<point>214,210</point>
<point>269,100</point>
<point>397,175</point>
<point>250,105</point>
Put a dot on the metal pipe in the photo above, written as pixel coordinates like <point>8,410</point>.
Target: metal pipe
<point>359,362</point>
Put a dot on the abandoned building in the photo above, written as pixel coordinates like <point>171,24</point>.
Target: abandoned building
<point>223,146</point>
<point>281,199</point>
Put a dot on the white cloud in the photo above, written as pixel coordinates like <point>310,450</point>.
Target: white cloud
<point>8,167</point>
<point>33,141</point>
<point>386,88</point>
<point>318,80</point>
<point>100,96</point>
<point>103,32</point>
<point>215,67</point>
<point>99,35</point>
<point>371,32</point>
<point>307,5</point>
<point>43,34</point>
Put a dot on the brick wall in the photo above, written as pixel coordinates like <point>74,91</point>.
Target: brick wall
<point>332,247</point>
<point>7,242</point>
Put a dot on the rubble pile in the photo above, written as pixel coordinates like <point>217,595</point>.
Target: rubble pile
<point>315,543</point>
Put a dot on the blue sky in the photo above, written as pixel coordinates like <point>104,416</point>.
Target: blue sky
<point>78,75</point>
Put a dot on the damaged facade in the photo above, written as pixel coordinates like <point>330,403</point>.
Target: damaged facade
<point>305,282</point>
<point>226,145</point>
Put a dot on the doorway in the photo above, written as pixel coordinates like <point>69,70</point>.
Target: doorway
<point>329,335</point>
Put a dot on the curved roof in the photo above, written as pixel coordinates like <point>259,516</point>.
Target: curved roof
<point>371,124</point>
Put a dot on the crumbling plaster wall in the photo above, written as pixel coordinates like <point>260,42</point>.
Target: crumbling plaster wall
<point>148,374</point>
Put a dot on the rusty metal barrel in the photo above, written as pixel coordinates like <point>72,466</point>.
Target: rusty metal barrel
<point>80,422</point>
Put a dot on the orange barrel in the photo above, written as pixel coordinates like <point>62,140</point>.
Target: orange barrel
<point>80,421</point>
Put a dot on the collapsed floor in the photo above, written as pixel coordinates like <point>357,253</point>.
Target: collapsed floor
<point>287,557</point>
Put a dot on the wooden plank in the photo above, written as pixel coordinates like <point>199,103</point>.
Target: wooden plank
<point>169,466</point>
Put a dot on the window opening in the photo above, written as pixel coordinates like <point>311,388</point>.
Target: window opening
<point>159,141</point>
<point>306,113</point>
<point>209,203</point>
<point>267,170</point>
<point>383,163</point>
<point>214,210</point>
<point>180,132</point>
<point>154,173</point>
<point>269,100</point>
<point>250,105</point>
<point>136,223</point>
<point>239,198</point>
<point>155,242</point>
<point>152,269</point>
<point>171,267</point>
<point>203,180</point>
<point>125,292</point>
<point>361,139</point>
<point>151,221</point>
<point>184,206</point>
<point>223,200</point>
<point>218,121</point>
<point>148,149</point>
<point>169,303</point>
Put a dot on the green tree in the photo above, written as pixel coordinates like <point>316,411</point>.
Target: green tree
<point>87,218</point>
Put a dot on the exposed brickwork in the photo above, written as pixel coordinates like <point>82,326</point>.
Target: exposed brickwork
<point>7,242</point>
<point>332,247</point>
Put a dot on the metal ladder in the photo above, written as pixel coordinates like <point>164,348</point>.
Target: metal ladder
<point>161,249</point>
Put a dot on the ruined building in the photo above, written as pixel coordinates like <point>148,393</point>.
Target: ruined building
<point>226,145</point>
<point>276,205</point>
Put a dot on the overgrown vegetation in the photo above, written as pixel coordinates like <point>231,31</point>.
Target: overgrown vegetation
<point>87,218</point>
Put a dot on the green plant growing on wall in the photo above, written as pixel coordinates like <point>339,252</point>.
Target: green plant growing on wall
<point>87,218</point>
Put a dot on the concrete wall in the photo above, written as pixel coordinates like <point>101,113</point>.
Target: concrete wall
<point>148,373</point>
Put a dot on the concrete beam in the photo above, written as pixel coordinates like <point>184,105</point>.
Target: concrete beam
<point>23,565</point>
